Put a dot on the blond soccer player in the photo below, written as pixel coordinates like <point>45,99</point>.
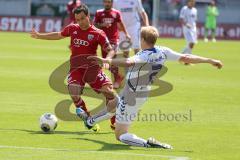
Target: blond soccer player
<point>142,68</point>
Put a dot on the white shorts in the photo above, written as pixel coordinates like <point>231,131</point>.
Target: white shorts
<point>134,32</point>
<point>129,103</point>
<point>190,35</point>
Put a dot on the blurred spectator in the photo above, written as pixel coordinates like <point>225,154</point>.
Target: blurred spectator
<point>211,21</point>
<point>188,18</point>
<point>173,8</point>
<point>70,7</point>
<point>147,5</point>
<point>45,10</point>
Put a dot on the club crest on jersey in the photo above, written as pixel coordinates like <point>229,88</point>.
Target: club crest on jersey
<point>90,37</point>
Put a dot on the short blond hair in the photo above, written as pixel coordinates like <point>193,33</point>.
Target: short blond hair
<point>149,34</point>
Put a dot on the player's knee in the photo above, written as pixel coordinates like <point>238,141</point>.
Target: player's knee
<point>120,129</point>
<point>108,92</point>
<point>110,96</point>
<point>109,89</point>
<point>75,98</point>
<point>117,134</point>
<point>111,105</point>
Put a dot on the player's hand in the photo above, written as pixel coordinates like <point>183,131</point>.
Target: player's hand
<point>106,66</point>
<point>34,34</point>
<point>188,26</point>
<point>128,37</point>
<point>217,63</point>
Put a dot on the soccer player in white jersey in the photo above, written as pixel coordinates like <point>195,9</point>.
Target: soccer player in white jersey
<point>142,69</point>
<point>188,18</point>
<point>131,11</point>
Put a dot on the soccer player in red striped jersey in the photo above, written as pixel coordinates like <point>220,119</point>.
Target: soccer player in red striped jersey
<point>73,4</point>
<point>108,19</point>
<point>85,39</point>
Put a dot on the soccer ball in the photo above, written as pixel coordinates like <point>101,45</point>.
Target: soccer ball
<point>48,122</point>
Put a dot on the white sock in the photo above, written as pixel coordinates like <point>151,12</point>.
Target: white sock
<point>133,140</point>
<point>101,116</point>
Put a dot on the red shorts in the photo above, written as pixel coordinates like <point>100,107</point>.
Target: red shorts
<point>95,78</point>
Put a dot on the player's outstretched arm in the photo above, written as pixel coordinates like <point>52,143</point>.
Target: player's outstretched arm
<point>124,62</point>
<point>46,36</point>
<point>145,18</point>
<point>122,26</point>
<point>189,58</point>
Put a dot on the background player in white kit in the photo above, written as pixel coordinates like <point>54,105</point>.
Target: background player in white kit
<point>188,18</point>
<point>143,67</point>
<point>131,11</point>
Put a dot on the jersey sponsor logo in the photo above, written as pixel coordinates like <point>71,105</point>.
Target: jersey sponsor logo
<point>108,20</point>
<point>159,59</point>
<point>126,9</point>
<point>80,42</point>
<point>90,37</point>
<point>75,32</point>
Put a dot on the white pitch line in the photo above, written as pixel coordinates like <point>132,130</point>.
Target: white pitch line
<point>98,152</point>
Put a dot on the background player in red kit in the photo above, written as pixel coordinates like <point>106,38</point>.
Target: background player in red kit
<point>84,42</point>
<point>70,8</point>
<point>108,20</point>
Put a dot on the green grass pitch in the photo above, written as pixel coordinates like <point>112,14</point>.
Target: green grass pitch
<point>212,96</point>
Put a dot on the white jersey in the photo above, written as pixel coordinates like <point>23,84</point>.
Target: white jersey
<point>130,10</point>
<point>148,63</point>
<point>189,16</point>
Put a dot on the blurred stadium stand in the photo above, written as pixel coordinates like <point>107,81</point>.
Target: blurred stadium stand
<point>169,10</point>
<point>162,13</point>
<point>166,9</point>
<point>15,7</point>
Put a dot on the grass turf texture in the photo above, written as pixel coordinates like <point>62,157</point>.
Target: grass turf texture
<point>212,95</point>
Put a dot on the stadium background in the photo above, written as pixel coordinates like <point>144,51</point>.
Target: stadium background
<point>51,15</point>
